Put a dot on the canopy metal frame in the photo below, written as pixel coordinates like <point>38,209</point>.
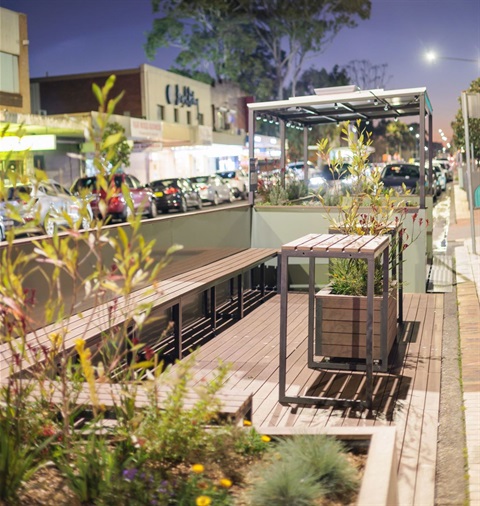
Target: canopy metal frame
<point>341,104</point>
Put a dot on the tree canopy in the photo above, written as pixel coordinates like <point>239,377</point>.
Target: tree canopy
<point>458,125</point>
<point>260,44</point>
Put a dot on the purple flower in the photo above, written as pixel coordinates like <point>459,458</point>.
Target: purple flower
<point>129,474</point>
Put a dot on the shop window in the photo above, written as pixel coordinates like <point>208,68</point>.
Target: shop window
<point>220,120</point>
<point>160,112</point>
<point>175,115</point>
<point>9,73</point>
<point>189,118</point>
<point>39,162</point>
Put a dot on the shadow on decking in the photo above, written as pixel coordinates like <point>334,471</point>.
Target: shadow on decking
<point>390,389</point>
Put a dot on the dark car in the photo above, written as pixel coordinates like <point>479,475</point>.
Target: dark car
<point>142,196</point>
<point>394,175</point>
<point>175,193</point>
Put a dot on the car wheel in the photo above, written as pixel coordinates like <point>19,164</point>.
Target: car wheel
<point>232,196</point>
<point>2,234</point>
<point>215,200</point>
<point>49,225</point>
<point>200,203</point>
<point>243,194</point>
<point>86,222</point>
<point>127,213</point>
<point>153,210</point>
<point>183,206</point>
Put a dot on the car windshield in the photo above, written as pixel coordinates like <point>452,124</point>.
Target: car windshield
<point>229,174</point>
<point>199,179</point>
<point>161,185</point>
<point>330,173</point>
<point>83,183</point>
<point>401,171</point>
<point>19,192</point>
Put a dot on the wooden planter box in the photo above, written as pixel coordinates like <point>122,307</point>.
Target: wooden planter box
<point>379,486</point>
<point>341,325</point>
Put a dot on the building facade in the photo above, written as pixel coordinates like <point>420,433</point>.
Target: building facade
<point>177,126</point>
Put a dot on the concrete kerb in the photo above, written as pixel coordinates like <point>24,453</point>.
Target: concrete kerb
<point>468,295</point>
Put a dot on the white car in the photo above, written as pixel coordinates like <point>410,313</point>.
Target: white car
<point>45,205</point>
<point>238,181</point>
<point>298,168</point>
<point>213,189</point>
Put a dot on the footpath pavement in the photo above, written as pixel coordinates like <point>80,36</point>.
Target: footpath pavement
<point>467,269</point>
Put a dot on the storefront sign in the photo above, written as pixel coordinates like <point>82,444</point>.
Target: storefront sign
<point>144,129</point>
<point>31,142</point>
<point>183,96</point>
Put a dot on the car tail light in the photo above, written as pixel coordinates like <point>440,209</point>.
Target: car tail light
<point>115,200</point>
<point>171,191</point>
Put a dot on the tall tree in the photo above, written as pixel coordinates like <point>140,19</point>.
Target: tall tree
<point>308,81</point>
<point>366,75</point>
<point>251,37</point>
<point>458,125</point>
<point>399,137</point>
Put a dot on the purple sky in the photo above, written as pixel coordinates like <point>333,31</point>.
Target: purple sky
<point>76,36</point>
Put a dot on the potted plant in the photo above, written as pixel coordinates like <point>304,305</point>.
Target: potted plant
<point>368,208</point>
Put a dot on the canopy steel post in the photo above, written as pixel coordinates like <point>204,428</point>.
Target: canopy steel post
<point>421,154</point>
<point>305,155</point>
<point>251,151</point>
<point>282,152</point>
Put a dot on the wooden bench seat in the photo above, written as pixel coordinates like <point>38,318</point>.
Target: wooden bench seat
<point>170,293</point>
<point>235,404</point>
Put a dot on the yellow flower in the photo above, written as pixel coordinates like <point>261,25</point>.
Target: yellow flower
<point>225,483</point>
<point>266,439</point>
<point>197,469</point>
<point>247,423</point>
<point>203,500</point>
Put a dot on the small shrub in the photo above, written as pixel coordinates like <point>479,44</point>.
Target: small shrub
<point>302,469</point>
<point>324,457</point>
<point>283,483</point>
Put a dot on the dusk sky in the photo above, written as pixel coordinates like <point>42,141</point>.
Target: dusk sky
<point>76,36</point>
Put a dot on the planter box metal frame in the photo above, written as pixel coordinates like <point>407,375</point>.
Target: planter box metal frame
<point>315,246</point>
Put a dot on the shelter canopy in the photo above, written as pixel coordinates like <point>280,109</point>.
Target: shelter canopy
<point>346,103</point>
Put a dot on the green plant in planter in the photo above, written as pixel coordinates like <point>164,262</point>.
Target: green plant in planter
<point>367,208</point>
<point>303,469</point>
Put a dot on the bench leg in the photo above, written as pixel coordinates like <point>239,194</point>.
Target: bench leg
<point>213,309</point>
<point>262,280</point>
<point>240,295</point>
<point>177,330</point>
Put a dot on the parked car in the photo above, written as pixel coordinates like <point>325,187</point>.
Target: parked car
<point>441,177</point>
<point>175,193</point>
<point>317,181</point>
<point>238,180</point>
<point>297,167</point>
<point>46,205</point>
<point>394,175</point>
<point>142,197</point>
<point>445,165</point>
<point>213,189</point>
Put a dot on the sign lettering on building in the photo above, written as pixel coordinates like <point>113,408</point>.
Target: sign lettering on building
<point>183,96</point>
<point>144,129</point>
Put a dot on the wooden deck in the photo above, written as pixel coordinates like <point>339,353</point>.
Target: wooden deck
<point>407,396</point>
